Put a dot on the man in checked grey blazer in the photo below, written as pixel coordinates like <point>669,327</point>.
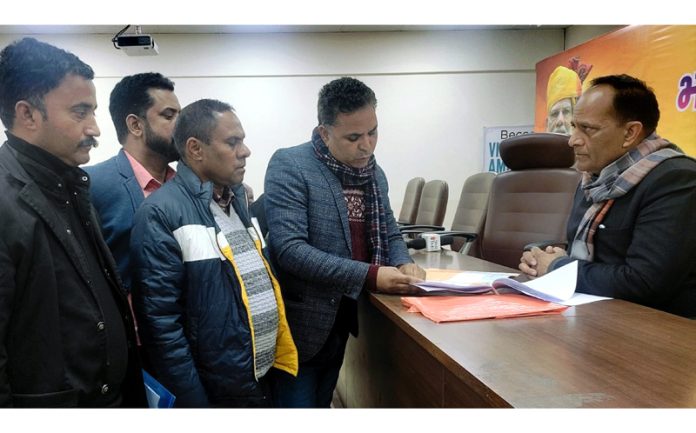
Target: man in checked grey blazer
<point>332,234</point>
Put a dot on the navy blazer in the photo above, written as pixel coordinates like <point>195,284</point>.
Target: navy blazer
<point>116,195</point>
<point>309,239</point>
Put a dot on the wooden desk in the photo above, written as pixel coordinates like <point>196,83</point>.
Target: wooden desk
<point>605,354</point>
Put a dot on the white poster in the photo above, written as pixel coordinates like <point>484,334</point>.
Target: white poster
<point>492,136</point>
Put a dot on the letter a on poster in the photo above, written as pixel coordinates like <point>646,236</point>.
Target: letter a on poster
<point>492,136</point>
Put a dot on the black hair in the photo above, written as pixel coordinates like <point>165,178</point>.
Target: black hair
<point>343,95</point>
<point>197,120</point>
<point>131,96</point>
<point>30,69</point>
<point>633,100</point>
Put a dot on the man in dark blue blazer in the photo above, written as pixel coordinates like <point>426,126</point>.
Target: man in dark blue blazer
<point>332,234</point>
<point>144,109</point>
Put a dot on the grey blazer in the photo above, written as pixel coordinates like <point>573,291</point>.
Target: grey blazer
<point>309,240</point>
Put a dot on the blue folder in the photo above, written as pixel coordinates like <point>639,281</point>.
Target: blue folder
<point>158,397</point>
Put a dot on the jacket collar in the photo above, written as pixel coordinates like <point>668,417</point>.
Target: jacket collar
<point>190,180</point>
<point>336,192</point>
<point>49,172</point>
<point>203,191</point>
<point>123,165</point>
<point>33,196</point>
<point>128,179</point>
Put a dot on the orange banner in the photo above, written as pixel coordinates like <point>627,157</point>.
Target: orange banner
<point>662,56</point>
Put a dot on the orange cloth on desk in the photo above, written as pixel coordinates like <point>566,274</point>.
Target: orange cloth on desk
<point>454,308</point>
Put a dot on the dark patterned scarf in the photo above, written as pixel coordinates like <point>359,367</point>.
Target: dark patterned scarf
<point>614,181</point>
<point>360,177</point>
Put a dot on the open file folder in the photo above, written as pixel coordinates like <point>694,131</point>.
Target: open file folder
<point>557,286</point>
<point>549,294</point>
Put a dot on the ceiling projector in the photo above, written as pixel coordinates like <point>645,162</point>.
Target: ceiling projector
<point>137,45</point>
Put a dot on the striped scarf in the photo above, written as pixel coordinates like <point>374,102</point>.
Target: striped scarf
<point>614,181</point>
<point>256,285</point>
<point>360,177</point>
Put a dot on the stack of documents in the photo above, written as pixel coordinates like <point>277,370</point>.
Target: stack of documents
<point>497,295</point>
<point>557,286</point>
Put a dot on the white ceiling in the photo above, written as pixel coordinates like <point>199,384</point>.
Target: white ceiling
<point>216,29</point>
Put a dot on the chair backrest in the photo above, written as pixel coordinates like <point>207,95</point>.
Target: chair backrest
<point>471,209</point>
<point>532,201</point>
<point>433,203</point>
<point>412,196</point>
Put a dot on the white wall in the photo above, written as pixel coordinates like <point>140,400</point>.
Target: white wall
<point>576,35</point>
<point>436,90</point>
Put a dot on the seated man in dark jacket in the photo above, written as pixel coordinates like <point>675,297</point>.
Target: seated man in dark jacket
<point>633,224</point>
<point>66,333</point>
<point>210,313</point>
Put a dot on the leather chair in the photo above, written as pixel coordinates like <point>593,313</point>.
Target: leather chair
<point>412,196</point>
<point>532,201</point>
<point>433,203</point>
<point>431,209</point>
<point>471,211</point>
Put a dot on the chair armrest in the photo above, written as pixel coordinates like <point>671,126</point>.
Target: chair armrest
<point>419,228</point>
<point>470,237</point>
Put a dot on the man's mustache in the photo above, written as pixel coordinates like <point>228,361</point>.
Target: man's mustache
<point>89,142</point>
